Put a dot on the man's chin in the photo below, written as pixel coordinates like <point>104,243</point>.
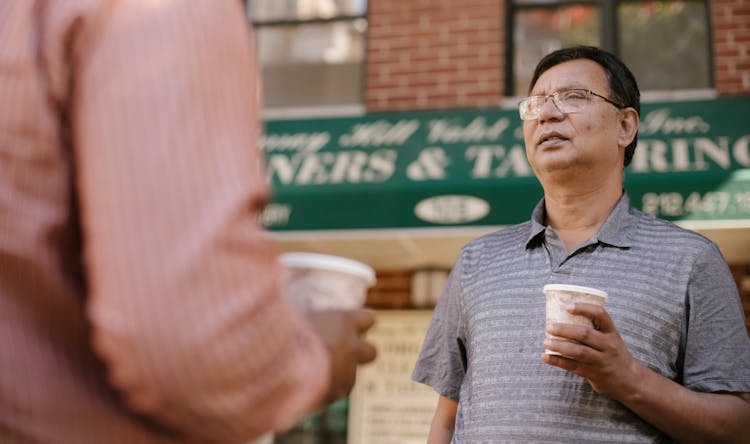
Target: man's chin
<point>559,162</point>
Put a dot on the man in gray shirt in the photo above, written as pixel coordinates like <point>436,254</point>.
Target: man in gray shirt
<point>667,358</point>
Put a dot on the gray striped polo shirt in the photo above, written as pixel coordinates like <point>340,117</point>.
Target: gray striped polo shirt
<point>671,296</point>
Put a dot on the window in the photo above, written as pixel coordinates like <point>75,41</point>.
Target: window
<point>311,52</point>
<point>665,43</point>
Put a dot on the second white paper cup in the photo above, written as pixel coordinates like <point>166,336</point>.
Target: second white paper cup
<point>317,281</point>
<point>559,296</point>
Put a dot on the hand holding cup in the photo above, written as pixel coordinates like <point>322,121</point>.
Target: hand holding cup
<point>330,292</point>
<point>560,296</point>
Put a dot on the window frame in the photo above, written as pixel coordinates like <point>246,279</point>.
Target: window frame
<point>295,111</point>
<point>609,31</point>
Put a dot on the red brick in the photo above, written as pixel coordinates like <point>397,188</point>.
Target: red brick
<point>436,54</point>
<point>725,76</point>
<point>728,48</point>
<point>730,88</point>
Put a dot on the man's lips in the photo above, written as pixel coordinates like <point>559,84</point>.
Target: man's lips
<point>550,139</point>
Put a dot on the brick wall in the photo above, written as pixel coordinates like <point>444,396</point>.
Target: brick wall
<point>392,291</point>
<point>445,54</point>
<point>434,54</point>
<point>730,20</point>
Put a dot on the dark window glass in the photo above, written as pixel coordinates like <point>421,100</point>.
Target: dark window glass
<point>311,52</point>
<point>539,31</point>
<point>665,43</point>
<point>677,39</point>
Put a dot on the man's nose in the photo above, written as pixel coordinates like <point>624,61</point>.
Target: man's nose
<point>550,110</point>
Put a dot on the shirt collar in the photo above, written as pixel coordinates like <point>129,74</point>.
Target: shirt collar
<point>616,229</point>
<point>537,223</point>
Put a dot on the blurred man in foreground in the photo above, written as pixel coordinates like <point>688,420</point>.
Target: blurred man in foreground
<point>139,301</point>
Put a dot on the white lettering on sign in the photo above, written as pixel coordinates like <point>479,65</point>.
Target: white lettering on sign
<point>275,214</point>
<point>741,151</point>
<point>452,209</point>
<point>300,142</point>
<point>711,204</point>
<point>333,167</point>
<point>494,161</point>
<point>444,131</point>
<point>694,154</point>
<point>430,164</point>
<point>660,121</point>
<point>380,133</point>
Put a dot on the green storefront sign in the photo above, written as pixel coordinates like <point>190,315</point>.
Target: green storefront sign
<point>459,168</point>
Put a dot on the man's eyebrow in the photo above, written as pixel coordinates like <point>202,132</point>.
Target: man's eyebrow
<point>563,88</point>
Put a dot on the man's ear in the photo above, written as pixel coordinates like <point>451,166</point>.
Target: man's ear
<point>629,122</point>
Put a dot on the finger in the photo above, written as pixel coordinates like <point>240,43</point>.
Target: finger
<point>573,351</point>
<point>605,323</point>
<point>561,361</point>
<point>558,361</point>
<point>597,313</point>
<point>366,352</point>
<point>585,309</point>
<point>579,334</point>
<point>363,319</point>
<point>574,332</point>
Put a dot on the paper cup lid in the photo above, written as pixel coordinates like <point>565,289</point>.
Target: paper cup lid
<point>329,262</point>
<point>575,288</point>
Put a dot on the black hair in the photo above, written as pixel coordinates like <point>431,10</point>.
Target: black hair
<point>622,84</point>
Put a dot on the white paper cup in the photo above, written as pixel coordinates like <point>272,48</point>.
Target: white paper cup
<point>316,281</point>
<point>559,296</point>
<point>265,439</point>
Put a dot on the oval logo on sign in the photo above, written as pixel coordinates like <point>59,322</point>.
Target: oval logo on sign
<point>451,209</point>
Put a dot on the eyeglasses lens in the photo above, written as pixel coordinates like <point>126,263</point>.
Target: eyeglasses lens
<point>566,101</point>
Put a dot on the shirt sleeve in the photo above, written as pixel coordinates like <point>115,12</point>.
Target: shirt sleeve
<point>442,361</point>
<point>717,348</point>
<point>184,298</point>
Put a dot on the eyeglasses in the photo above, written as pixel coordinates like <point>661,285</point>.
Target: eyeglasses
<point>567,101</point>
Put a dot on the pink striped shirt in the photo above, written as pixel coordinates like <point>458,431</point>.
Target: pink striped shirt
<point>139,301</point>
